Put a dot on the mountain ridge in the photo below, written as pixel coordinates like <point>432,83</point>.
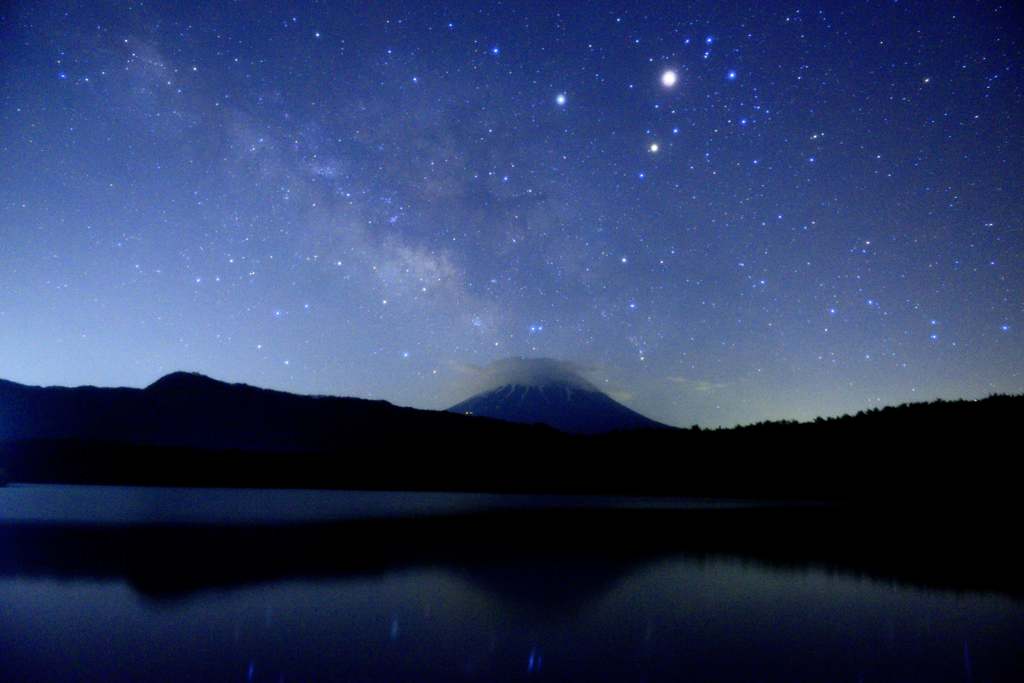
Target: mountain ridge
<point>192,410</point>
<point>569,406</point>
<point>239,436</point>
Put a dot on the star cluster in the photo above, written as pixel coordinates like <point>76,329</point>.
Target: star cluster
<point>726,212</point>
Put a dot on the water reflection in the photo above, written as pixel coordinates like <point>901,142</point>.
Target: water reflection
<point>711,619</point>
<point>515,552</point>
<point>577,595</point>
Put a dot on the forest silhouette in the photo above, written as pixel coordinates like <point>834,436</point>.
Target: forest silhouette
<point>189,430</point>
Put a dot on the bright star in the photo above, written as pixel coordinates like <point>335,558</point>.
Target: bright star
<point>560,99</point>
<point>654,147</point>
<point>731,75</point>
<point>669,78</point>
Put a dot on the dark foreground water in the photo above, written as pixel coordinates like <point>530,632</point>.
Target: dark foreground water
<point>480,589</point>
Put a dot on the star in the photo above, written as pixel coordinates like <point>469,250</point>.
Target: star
<point>453,200</point>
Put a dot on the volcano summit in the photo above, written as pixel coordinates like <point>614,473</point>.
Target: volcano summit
<point>551,392</point>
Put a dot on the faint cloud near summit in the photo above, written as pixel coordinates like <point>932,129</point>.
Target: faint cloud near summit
<point>524,371</point>
<point>698,385</point>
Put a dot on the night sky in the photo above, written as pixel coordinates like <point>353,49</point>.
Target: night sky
<point>722,213</point>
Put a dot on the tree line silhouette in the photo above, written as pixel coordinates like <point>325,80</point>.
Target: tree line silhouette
<point>198,432</point>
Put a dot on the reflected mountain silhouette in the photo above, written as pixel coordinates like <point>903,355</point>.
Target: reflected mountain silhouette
<point>527,557</point>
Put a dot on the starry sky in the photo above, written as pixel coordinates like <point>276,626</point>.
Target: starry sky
<point>721,212</point>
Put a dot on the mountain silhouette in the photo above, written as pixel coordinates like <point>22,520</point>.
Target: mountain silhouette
<point>570,407</point>
<point>190,430</point>
<point>551,392</point>
<point>190,410</point>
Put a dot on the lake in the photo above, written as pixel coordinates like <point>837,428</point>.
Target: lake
<point>116,583</point>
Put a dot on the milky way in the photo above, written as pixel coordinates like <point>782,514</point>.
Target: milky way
<point>819,211</point>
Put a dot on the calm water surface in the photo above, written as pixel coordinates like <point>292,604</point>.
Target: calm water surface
<point>543,616</point>
<point>149,505</point>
